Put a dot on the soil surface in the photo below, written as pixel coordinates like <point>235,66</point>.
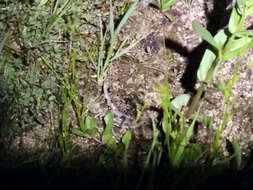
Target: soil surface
<point>169,47</point>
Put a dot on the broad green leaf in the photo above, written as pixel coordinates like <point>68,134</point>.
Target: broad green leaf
<point>78,133</point>
<point>126,139</point>
<point>230,55</point>
<point>250,11</point>
<point>109,121</point>
<point>234,45</point>
<point>221,38</point>
<point>89,126</point>
<point>205,64</point>
<point>234,22</point>
<point>180,101</point>
<point>205,34</point>
<point>106,136</point>
<point>240,5</point>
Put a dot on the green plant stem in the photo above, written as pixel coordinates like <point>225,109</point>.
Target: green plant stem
<point>196,98</point>
<point>195,101</point>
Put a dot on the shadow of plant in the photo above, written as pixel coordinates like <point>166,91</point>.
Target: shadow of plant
<point>214,24</point>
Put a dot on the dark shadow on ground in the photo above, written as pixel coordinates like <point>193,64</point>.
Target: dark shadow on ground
<point>92,177</point>
<point>217,19</point>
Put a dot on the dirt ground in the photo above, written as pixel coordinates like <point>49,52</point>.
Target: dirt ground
<point>132,79</point>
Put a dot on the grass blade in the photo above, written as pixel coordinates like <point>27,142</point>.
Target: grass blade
<point>111,22</point>
<point>4,41</point>
<point>179,153</point>
<point>237,152</point>
<point>126,16</point>
<point>57,14</point>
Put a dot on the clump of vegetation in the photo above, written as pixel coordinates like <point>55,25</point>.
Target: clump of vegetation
<point>38,74</point>
<point>103,60</point>
<point>164,6</point>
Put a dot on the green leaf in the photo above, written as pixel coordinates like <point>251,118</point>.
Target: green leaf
<point>237,152</point>
<point>111,23</point>
<point>89,126</point>
<point>57,14</point>
<point>109,121</point>
<point>205,64</point>
<point>180,101</point>
<point>106,136</point>
<point>205,34</point>
<point>78,133</point>
<point>250,10</point>
<point>240,6</point>
<point>234,22</point>
<point>234,45</point>
<point>221,38</point>
<point>181,147</point>
<point>126,16</point>
<point>192,155</point>
<point>126,139</point>
<point>168,16</point>
<point>206,120</point>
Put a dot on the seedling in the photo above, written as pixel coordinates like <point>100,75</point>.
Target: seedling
<point>232,41</point>
<point>57,13</point>
<point>114,149</point>
<point>106,56</point>
<point>164,6</point>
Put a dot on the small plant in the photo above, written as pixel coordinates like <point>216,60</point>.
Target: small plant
<point>177,136</point>
<point>233,41</point>
<point>113,149</point>
<point>105,57</point>
<point>57,13</point>
<point>230,42</point>
<point>164,6</point>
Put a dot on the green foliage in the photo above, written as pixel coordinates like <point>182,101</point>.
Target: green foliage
<point>57,13</point>
<point>140,109</point>
<point>106,136</point>
<point>165,5</point>
<point>178,102</point>
<point>228,43</point>
<point>177,136</point>
<point>155,150</point>
<point>237,153</point>
<point>126,139</point>
<point>64,139</point>
<point>206,35</point>
<point>104,60</point>
<point>114,149</point>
